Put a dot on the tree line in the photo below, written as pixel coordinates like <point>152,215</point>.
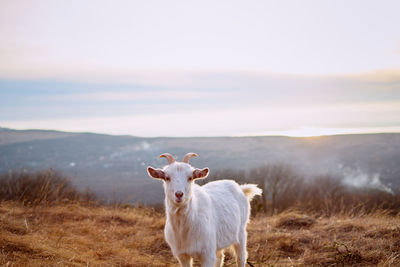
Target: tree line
<point>284,189</point>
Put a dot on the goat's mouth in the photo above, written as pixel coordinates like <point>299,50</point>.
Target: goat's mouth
<point>178,201</point>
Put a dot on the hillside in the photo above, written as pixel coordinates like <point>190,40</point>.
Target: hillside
<point>81,235</point>
<point>10,136</point>
<point>114,167</point>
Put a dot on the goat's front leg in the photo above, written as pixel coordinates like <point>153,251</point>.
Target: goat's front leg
<point>208,260</point>
<point>185,260</point>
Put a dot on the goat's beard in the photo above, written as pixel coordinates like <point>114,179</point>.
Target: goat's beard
<point>173,202</point>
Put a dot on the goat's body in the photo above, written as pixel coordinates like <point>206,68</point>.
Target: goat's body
<point>203,220</point>
<point>231,209</point>
<point>213,219</point>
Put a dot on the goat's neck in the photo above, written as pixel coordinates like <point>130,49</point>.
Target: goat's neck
<point>180,214</point>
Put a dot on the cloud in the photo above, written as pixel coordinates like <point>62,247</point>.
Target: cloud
<point>227,103</point>
<point>248,87</point>
<point>136,95</point>
<point>381,76</point>
<point>170,121</point>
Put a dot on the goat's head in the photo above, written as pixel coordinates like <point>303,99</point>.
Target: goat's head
<point>178,177</point>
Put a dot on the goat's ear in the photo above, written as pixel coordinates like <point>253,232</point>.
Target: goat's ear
<point>156,173</point>
<point>200,174</point>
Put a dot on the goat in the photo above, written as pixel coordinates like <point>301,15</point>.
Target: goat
<point>202,221</point>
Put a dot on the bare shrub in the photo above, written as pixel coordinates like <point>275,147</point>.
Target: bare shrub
<point>40,187</point>
<point>325,195</point>
<point>281,185</point>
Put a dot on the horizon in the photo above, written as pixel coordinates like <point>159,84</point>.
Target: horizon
<point>147,69</point>
<point>301,134</point>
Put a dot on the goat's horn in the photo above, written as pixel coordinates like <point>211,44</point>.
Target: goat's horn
<point>169,157</point>
<point>188,156</point>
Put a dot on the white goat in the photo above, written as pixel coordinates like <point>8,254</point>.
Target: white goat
<point>202,221</point>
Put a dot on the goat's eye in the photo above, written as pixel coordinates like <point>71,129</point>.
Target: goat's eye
<point>167,179</point>
<point>190,178</point>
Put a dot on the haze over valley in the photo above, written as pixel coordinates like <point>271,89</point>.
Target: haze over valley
<point>114,167</point>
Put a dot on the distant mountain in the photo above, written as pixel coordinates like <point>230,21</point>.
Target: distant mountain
<point>115,166</point>
<point>10,136</point>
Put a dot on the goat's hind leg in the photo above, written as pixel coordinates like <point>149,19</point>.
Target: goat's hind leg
<point>220,258</point>
<point>240,250</point>
<point>185,260</point>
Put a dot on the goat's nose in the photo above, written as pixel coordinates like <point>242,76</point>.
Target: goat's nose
<point>179,194</point>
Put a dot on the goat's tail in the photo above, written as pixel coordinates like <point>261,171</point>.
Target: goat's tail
<point>251,190</point>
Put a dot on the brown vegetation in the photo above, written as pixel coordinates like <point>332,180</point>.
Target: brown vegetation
<point>284,189</point>
<point>82,235</point>
<point>40,188</point>
<point>47,222</point>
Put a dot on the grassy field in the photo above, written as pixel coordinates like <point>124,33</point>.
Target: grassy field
<point>82,235</point>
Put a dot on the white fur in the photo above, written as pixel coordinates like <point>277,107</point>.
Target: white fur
<point>208,219</point>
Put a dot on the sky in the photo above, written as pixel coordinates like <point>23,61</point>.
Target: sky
<point>201,68</point>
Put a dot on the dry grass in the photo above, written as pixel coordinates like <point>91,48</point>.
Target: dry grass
<point>78,235</point>
<point>293,239</point>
